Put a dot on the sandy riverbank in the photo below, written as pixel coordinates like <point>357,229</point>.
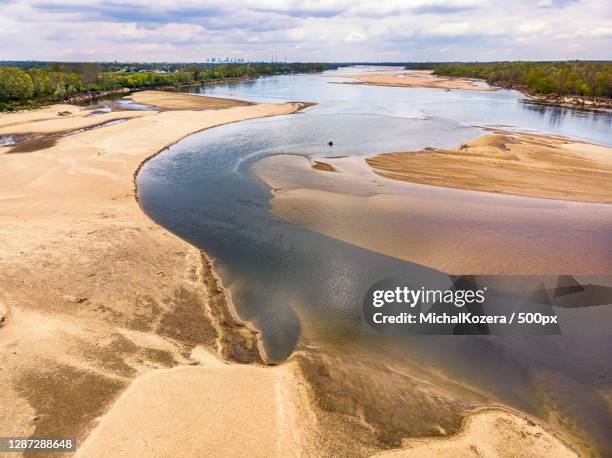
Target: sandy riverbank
<point>421,79</point>
<point>93,293</point>
<point>115,327</point>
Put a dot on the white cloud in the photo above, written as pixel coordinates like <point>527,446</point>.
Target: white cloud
<point>532,26</point>
<point>545,4</point>
<point>330,30</point>
<point>355,37</point>
<point>599,32</point>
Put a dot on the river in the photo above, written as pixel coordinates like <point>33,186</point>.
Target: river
<point>299,286</point>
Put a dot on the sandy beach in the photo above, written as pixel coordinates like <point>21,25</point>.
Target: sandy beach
<point>421,79</point>
<point>118,333</point>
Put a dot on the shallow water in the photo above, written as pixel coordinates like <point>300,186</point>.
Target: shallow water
<point>300,286</point>
<point>117,104</point>
<point>11,139</point>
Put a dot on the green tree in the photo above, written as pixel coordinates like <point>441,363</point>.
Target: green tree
<point>574,77</point>
<point>545,85</point>
<point>15,84</point>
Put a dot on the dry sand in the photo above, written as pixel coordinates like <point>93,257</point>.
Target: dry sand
<point>519,164</point>
<point>174,101</point>
<point>92,292</point>
<point>421,79</point>
<point>213,409</point>
<point>99,305</point>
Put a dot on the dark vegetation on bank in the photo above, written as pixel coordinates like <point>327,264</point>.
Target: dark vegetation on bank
<point>571,78</point>
<point>31,84</point>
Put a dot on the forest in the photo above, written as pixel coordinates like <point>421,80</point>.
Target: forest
<point>581,78</point>
<point>24,84</point>
<point>30,83</point>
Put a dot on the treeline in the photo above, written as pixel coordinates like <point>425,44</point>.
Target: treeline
<point>33,83</point>
<point>564,78</point>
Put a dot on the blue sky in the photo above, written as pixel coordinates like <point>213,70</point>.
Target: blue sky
<point>307,30</point>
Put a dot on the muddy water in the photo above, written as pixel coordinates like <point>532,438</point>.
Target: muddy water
<point>306,286</point>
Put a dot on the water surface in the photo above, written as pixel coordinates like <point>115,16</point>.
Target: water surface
<point>300,286</point>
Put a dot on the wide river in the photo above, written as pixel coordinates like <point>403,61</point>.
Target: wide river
<point>299,286</point>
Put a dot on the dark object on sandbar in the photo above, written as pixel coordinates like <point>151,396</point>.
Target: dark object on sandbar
<point>330,143</point>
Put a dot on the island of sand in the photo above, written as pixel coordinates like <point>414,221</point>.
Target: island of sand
<point>509,163</point>
<point>421,79</point>
<point>506,203</point>
<point>118,333</point>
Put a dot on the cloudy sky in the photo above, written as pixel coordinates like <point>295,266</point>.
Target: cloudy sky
<point>306,30</point>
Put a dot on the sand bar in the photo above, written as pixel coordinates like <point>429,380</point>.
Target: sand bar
<point>422,79</point>
<point>519,164</point>
<point>174,101</point>
<point>450,229</point>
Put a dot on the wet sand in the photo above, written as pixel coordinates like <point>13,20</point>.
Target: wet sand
<point>113,327</point>
<point>453,230</point>
<point>489,433</point>
<point>421,79</point>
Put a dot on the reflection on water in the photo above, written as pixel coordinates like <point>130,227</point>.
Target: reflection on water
<point>467,108</point>
<point>555,116</point>
<point>297,285</point>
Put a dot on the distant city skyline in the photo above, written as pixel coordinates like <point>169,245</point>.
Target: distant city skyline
<point>309,31</point>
